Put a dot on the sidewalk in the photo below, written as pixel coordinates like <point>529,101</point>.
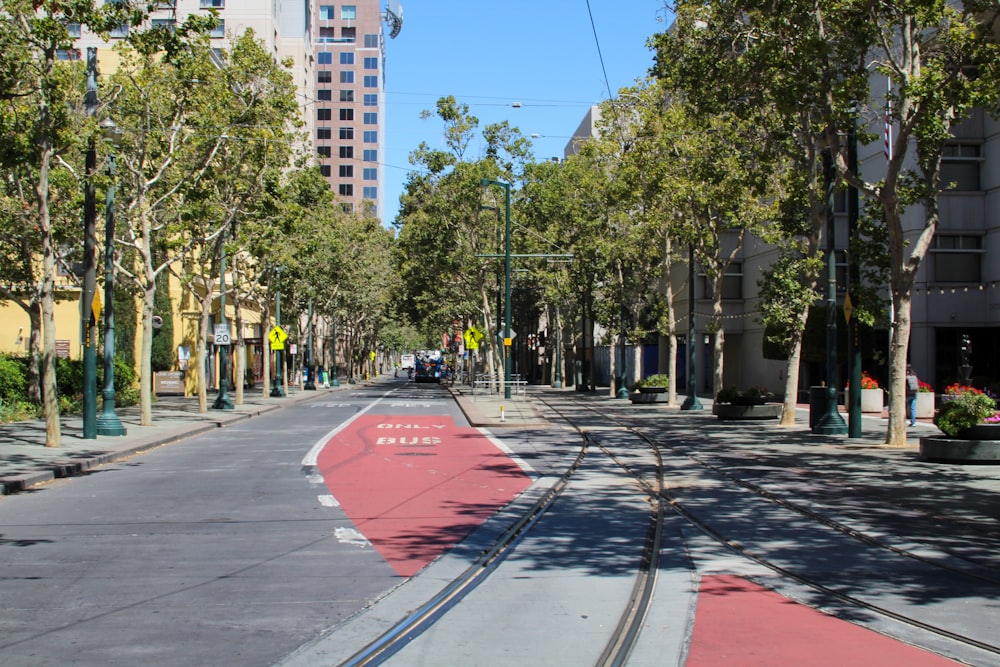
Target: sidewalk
<point>25,460</point>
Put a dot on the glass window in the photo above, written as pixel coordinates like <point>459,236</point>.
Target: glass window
<point>219,31</point>
<point>325,170</point>
<point>347,152</point>
<point>371,118</point>
<point>324,58</point>
<point>324,114</point>
<point>323,151</point>
<point>324,133</point>
<point>212,4</point>
<point>324,76</point>
<point>371,136</point>
<point>371,81</point>
<point>371,62</point>
<point>371,41</point>
<point>347,96</point>
<point>345,171</point>
<point>347,114</point>
<point>369,192</point>
<point>347,133</point>
<point>324,95</point>
<point>371,99</point>
<point>68,54</point>
<point>326,12</point>
<point>73,29</point>
<point>348,12</point>
<point>347,57</point>
<point>121,32</point>
<point>347,76</point>
<point>169,25</point>
<point>957,258</point>
<point>327,35</point>
<point>370,155</point>
<point>369,174</point>
<point>960,167</point>
<point>345,190</point>
<point>348,34</point>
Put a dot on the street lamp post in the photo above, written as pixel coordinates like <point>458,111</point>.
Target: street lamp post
<point>506,282</point>
<point>310,384</point>
<point>88,296</point>
<point>108,422</point>
<point>222,400</point>
<point>557,376</point>
<point>334,382</point>
<point>830,423</point>
<point>691,402</point>
<point>278,390</point>
<point>854,280</point>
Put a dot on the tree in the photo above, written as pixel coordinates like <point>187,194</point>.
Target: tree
<point>32,35</point>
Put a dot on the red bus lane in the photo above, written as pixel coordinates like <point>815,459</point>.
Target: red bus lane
<point>415,485</point>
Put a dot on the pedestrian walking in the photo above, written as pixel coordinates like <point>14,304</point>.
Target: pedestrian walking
<point>912,388</point>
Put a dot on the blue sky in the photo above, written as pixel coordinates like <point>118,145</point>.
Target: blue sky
<point>491,54</point>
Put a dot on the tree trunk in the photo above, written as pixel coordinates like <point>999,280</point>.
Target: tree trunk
<point>896,431</point>
<point>35,352</point>
<point>612,366</point>
<point>50,397</point>
<point>239,350</point>
<point>792,377</point>
<point>146,361</point>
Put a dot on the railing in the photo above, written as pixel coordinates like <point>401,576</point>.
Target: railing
<point>490,383</point>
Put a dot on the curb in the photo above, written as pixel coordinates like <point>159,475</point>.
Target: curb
<point>64,468</point>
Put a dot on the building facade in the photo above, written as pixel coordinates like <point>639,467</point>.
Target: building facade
<point>349,99</point>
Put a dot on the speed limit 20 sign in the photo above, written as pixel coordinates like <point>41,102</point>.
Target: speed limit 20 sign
<point>222,334</point>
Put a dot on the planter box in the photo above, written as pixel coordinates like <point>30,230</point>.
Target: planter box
<point>925,405</point>
<point>871,400</point>
<point>644,397</point>
<point>980,432</point>
<point>959,450</point>
<point>732,411</point>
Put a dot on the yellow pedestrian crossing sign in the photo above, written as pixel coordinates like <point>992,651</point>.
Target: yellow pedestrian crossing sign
<point>277,337</point>
<point>472,336</point>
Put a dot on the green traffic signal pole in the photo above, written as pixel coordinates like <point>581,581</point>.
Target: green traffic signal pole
<point>278,390</point>
<point>222,400</point>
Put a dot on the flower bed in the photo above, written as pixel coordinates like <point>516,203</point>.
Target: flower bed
<point>971,427</point>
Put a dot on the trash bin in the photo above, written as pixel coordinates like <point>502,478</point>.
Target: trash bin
<point>817,405</point>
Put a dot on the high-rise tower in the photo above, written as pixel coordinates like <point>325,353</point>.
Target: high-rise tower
<point>349,95</point>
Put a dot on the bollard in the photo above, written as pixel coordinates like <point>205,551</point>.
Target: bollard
<point>502,418</point>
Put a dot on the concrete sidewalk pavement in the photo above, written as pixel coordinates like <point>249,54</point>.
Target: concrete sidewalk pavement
<point>25,461</point>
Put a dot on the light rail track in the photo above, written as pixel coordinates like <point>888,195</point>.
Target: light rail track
<point>735,545</point>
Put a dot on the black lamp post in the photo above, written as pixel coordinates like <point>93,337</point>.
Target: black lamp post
<point>854,281</point>
<point>557,375</point>
<point>108,422</point>
<point>88,296</point>
<point>691,402</point>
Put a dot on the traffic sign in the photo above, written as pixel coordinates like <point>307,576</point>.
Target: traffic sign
<point>277,337</point>
<point>222,336</point>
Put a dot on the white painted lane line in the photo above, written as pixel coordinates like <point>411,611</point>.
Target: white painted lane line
<point>499,444</point>
<point>328,501</point>
<point>351,536</point>
<point>310,458</point>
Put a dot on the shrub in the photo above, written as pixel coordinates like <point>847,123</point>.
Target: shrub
<point>965,409</point>
<point>657,380</point>
<point>13,383</point>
